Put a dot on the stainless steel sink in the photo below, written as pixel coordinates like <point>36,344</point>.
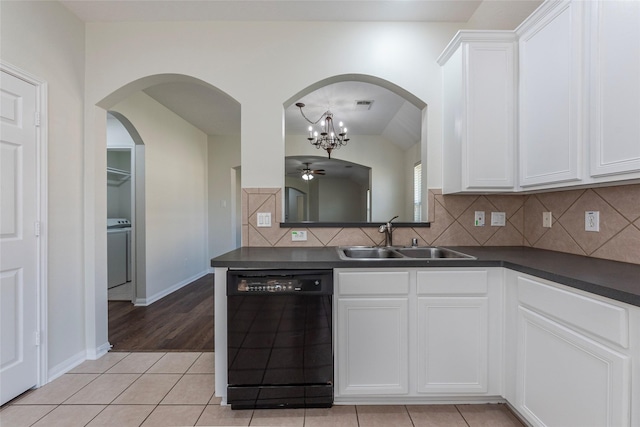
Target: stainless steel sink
<point>369,253</point>
<point>399,253</point>
<point>432,252</point>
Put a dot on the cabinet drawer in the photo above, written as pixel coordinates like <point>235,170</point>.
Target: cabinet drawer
<point>452,282</point>
<point>597,317</point>
<point>374,282</point>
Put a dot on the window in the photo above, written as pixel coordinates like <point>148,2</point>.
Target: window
<point>417,192</point>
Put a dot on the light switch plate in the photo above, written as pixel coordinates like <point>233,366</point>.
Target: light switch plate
<point>547,219</point>
<point>479,219</point>
<point>264,219</point>
<point>498,219</point>
<point>299,236</point>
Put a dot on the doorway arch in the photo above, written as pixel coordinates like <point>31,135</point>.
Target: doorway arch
<point>95,191</point>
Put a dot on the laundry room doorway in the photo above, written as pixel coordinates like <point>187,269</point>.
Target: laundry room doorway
<point>125,211</point>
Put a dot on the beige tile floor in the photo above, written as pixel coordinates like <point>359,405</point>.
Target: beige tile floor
<point>176,389</point>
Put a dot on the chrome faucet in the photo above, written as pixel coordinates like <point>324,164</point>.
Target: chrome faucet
<point>387,229</point>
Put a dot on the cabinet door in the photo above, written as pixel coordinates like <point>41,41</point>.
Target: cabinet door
<point>373,346</point>
<point>488,147</point>
<point>453,344</point>
<point>615,87</point>
<point>566,379</point>
<point>478,81</point>
<point>550,84</point>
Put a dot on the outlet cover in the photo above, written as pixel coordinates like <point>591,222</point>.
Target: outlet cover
<point>498,219</point>
<point>547,219</point>
<point>264,219</point>
<point>592,221</point>
<point>479,219</point>
<point>299,236</point>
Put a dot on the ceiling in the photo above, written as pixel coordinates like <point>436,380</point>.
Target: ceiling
<point>391,115</point>
<point>273,10</point>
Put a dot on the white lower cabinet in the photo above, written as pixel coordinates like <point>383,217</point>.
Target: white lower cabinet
<point>453,331</point>
<point>418,334</point>
<point>372,344</point>
<point>572,357</point>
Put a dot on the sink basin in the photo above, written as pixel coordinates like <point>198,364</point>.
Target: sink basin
<point>432,252</point>
<point>399,253</point>
<point>369,253</point>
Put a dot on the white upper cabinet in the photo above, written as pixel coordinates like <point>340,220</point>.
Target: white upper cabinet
<point>614,114</point>
<point>551,75</point>
<point>574,69</point>
<point>479,112</point>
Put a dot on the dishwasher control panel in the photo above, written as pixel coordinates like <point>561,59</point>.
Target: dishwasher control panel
<point>280,282</point>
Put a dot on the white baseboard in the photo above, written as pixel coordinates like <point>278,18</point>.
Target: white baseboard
<point>75,360</point>
<point>143,302</point>
<point>65,366</point>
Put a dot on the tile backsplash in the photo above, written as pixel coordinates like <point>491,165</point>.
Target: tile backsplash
<point>452,222</point>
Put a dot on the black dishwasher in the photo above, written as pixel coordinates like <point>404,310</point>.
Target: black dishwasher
<point>280,352</point>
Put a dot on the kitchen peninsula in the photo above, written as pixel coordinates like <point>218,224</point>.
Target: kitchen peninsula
<point>550,333</point>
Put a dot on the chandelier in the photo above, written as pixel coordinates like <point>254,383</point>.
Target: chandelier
<point>328,139</point>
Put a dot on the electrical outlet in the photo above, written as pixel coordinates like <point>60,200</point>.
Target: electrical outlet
<point>299,236</point>
<point>498,219</point>
<point>547,219</point>
<point>479,219</point>
<point>264,219</point>
<point>592,221</point>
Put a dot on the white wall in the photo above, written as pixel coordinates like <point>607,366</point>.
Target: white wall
<point>176,194</point>
<point>224,155</point>
<point>261,65</point>
<point>47,41</point>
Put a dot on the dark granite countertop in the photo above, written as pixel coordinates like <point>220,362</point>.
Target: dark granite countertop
<point>616,280</point>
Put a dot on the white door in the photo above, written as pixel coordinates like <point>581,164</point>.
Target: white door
<point>18,241</point>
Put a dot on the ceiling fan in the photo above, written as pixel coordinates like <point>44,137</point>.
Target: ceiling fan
<point>308,173</point>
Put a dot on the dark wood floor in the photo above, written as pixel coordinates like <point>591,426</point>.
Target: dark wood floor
<point>181,321</point>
